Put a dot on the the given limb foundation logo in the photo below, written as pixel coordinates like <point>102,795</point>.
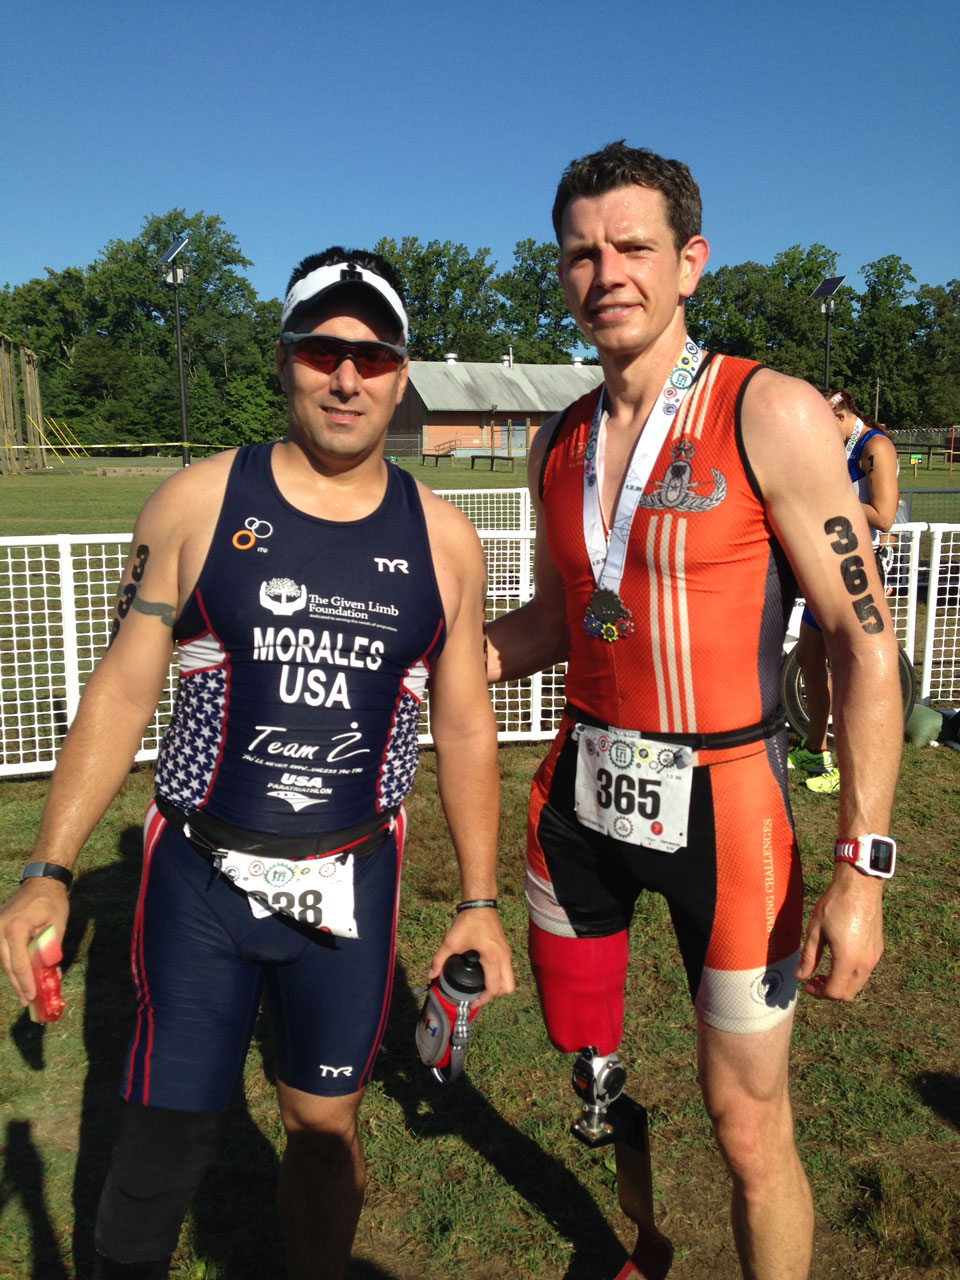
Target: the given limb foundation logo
<point>283,596</point>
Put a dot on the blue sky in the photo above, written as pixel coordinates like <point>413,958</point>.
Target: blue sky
<point>307,125</point>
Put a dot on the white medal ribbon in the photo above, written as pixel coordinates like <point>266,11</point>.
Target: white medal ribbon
<point>853,438</point>
<point>608,553</point>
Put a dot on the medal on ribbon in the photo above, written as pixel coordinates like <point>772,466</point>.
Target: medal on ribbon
<point>607,617</point>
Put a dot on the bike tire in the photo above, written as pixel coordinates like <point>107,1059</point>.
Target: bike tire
<point>794,699</point>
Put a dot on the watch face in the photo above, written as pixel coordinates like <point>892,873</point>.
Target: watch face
<point>881,856</point>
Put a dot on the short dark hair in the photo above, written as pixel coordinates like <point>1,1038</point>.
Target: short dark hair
<point>618,165</point>
<point>364,258</point>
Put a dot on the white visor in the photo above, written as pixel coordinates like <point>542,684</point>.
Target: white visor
<point>340,275</point>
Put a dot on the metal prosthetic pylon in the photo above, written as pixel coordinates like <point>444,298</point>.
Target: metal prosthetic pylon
<point>609,1116</point>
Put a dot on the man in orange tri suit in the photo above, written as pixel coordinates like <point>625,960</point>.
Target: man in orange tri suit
<point>674,505</point>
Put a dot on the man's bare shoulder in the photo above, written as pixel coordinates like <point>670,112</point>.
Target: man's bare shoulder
<point>455,548</point>
<point>774,399</point>
<point>192,490</point>
<point>791,439</point>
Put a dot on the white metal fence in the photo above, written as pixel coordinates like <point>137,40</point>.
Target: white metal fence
<point>56,599</point>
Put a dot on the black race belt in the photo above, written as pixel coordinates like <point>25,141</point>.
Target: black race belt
<point>209,835</point>
<point>765,728</point>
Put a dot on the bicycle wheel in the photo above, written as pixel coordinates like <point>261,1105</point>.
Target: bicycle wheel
<point>795,702</point>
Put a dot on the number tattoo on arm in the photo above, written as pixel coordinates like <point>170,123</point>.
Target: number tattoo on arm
<point>130,599</point>
<point>854,575</point>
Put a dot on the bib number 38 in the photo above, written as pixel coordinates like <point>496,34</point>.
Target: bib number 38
<point>317,892</point>
<point>633,790</point>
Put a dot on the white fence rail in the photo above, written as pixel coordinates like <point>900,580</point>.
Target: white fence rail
<point>56,600</point>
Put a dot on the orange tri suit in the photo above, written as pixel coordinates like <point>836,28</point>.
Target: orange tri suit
<point>668,772</point>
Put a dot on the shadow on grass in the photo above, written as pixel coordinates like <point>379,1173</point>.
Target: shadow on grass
<point>234,1218</point>
<point>23,1177</point>
<point>941,1093</point>
<point>539,1179</point>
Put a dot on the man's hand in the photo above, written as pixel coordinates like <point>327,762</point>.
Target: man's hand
<point>849,920</point>
<point>479,929</point>
<point>38,902</point>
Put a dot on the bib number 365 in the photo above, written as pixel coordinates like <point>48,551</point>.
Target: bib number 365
<point>628,795</point>
<point>632,789</point>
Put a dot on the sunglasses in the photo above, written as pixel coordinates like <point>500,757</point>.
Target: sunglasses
<point>324,353</point>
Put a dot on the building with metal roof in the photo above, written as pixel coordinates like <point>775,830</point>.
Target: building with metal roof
<point>464,408</point>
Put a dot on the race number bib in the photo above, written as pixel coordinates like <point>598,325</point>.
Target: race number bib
<point>317,891</point>
<point>633,789</point>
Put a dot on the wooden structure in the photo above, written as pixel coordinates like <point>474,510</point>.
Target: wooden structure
<point>437,451</point>
<point>493,459</point>
<point>22,444</point>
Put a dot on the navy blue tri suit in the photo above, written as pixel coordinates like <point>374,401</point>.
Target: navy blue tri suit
<point>304,651</point>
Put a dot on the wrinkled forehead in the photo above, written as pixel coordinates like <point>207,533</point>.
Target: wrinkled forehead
<point>618,212</point>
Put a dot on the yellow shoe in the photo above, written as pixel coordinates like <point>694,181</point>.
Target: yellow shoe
<point>825,784</point>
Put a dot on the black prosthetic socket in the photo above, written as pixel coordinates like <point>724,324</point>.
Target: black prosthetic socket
<point>107,1269</point>
<point>159,1160</point>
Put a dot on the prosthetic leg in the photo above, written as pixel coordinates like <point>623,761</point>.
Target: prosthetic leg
<point>609,1116</point>
<point>580,982</point>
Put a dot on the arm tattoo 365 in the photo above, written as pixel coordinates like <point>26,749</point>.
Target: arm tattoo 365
<point>854,575</point>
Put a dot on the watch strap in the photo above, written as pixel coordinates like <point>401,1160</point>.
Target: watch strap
<point>847,851</point>
<point>47,870</point>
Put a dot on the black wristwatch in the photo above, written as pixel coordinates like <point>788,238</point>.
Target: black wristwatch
<point>50,870</point>
<point>873,855</point>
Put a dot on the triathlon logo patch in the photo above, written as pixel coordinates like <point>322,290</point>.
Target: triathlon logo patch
<point>675,492</point>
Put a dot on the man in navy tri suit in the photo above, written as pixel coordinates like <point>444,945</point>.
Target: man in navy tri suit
<point>312,590</point>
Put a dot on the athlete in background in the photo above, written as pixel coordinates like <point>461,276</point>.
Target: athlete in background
<point>312,590</point>
<point>872,467</point>
<point>661,576</point>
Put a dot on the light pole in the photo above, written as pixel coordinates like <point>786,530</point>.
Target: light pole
<point>825,290</point>
<point>172,274</point>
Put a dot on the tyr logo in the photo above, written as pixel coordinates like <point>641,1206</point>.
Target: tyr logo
<point>392,565</point>
<point>335,1071</point>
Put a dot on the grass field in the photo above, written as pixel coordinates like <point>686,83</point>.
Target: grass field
<point>482,1180</point>
<point>77,501</point>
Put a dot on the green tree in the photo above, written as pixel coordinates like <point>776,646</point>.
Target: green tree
<point>535,319</point>
<point>46,314</point>
<point>766,313</point>
<point>106,334</point>
<point>888,325</point>
<point>452,303</point>
<point>938,354</point>
<point>728,312</point>
<point>252,413</point>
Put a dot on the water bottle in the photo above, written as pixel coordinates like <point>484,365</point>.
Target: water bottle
<point>444,1025</point>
